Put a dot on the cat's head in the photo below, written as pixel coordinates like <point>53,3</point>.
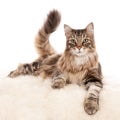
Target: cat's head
<point>80,41</point>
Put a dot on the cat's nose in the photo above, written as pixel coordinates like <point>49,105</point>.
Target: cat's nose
<point>79,47</point>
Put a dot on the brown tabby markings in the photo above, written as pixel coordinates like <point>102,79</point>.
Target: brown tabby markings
<point>78,64</point>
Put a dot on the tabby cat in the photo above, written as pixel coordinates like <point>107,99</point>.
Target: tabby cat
<point>78,64</point>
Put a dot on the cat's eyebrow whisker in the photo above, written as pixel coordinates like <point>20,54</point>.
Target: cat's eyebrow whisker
<point>84,36</point>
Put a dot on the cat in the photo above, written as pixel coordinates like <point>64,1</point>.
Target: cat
<point>78,64</point>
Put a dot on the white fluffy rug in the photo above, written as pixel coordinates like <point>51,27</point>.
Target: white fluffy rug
<point>31,98</point>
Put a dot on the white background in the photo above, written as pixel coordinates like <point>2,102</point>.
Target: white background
<point>20,21</point>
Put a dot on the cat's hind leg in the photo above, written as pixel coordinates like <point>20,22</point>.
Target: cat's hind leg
<point>26,69</point>
<point>22,69</point>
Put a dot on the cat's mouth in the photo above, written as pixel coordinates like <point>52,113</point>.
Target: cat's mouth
<point>79,53</point>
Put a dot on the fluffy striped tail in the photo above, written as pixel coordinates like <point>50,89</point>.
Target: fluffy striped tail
<point>42,40</point>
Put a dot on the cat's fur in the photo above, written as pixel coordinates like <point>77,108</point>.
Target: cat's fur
<point>78,64</point>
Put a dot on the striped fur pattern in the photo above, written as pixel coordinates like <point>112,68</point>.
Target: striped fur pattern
<point>78,64</point>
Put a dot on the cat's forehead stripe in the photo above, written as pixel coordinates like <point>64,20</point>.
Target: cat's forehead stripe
<point>84,36</point>
<point>79,32</point>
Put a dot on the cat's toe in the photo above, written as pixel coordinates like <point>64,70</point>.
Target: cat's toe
<point>36,65</point>
<point>91,106</point>
<point>25,69</point>
<point>12,74</point>
<point>58,83</point>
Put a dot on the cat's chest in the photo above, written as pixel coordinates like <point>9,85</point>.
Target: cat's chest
<point>76,77</point>
<point>80,60</point>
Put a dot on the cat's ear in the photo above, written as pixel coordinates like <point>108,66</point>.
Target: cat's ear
<point>67,29</point>
<point>90,28</point>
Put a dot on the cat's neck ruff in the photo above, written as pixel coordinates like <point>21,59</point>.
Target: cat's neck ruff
<point>74,64</point>
<point>84,59</point>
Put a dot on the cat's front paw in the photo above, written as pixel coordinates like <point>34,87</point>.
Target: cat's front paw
<point>91,106</point>
<point>58,83</point>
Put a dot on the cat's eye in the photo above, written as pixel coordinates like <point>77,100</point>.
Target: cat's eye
<point>73,40</point>
<point>85,40</point>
